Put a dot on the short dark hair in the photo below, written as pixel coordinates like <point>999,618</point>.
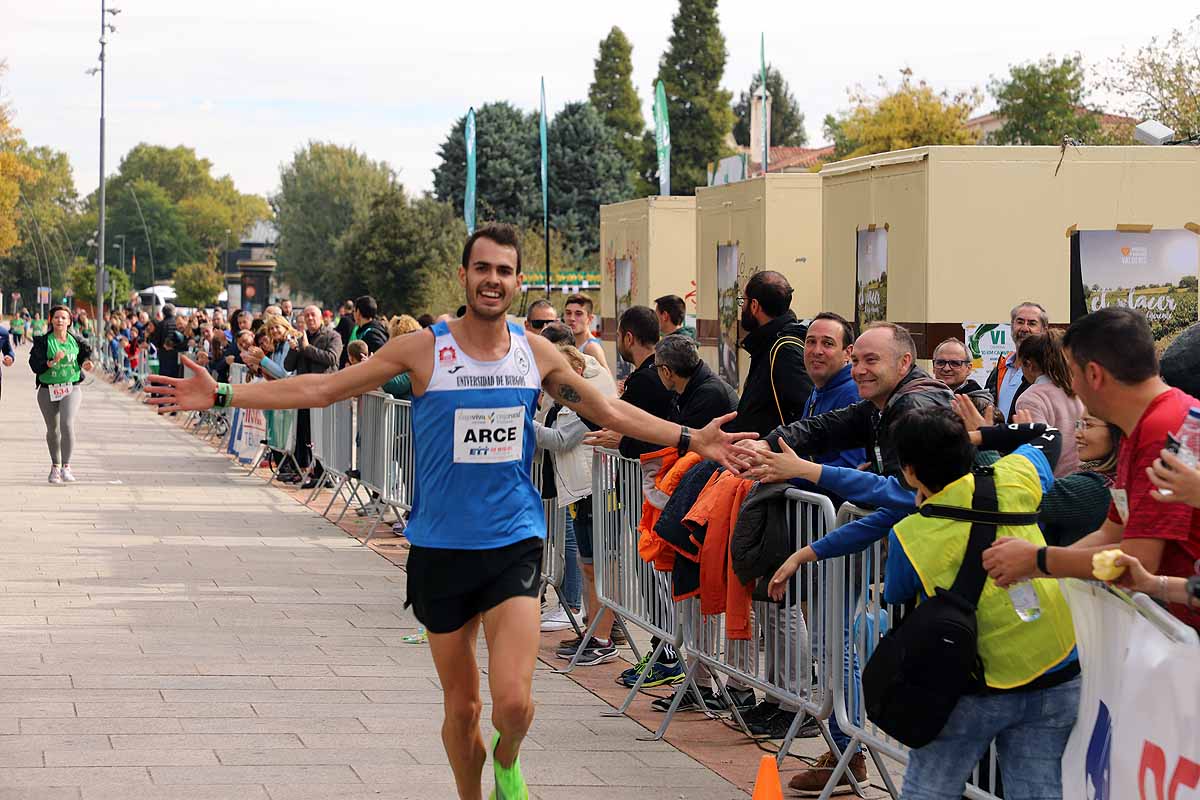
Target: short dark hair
<point>900,335</point>
<point>1117,339</point>
<point>673,306</point>
<point>642,322</point>
<point>50,313</point>
<point>367,306</point>
<point>679,354</point>
<point>580,300</point>
<point>772,291</point>
<point>933,443</point>
<point>502,234</point>
<point>847,326</point>
<point>425,320</point>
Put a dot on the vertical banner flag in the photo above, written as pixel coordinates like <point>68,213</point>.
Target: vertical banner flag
<point>662,137</point>
<point>469,195</point>
<point>766,110</point>
<point>133,265</point>
<point>545,203</point>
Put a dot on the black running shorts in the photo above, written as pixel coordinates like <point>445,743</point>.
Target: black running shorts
<point>447,587</point>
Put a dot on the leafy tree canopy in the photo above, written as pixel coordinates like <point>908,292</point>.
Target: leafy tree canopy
<point>787,120</point>
<point>198,285</point>
<point>612,94</point>
<point>1042,102</point>
<point>1161,80</point>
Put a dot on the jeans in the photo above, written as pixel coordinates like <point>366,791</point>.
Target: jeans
<point>853,689</point>
<point>572,587</point>
<point>1031,731</point>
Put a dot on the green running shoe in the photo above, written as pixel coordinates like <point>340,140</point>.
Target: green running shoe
<point>510,784</point>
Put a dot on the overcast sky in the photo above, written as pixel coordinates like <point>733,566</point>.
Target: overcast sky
<point>247,82</point>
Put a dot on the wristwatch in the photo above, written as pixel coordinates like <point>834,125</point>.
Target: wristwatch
<point>685,440</point>
<point>222,396</point>
<point>1041,561</point>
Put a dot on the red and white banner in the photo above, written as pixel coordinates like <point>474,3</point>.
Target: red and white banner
<point>1138,732</point>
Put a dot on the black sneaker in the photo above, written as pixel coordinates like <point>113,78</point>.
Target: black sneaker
<point>776,727</point>
<point>742,698</point>
<point>596,652</point>
<point>760,712</point>
<point>712,702</point>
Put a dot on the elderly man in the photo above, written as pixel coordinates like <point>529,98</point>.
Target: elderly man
<point>541,313</point>
<point>1006,381</point>
<point>316,352</point>
<point>700,395</point>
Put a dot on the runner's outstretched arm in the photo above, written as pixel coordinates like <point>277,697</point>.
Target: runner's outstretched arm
<point>198,393</point>
<point>570,389</point>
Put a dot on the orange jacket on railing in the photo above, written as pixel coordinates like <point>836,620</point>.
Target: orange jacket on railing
<point>716,511</point>
<point>662,470</point>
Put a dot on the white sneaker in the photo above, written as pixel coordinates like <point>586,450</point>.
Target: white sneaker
<point>55,475</point>
<point>66,475</point>
<point>556,620</point>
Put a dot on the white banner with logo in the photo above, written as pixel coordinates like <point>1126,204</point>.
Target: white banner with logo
<point>1138,732</point>
<point>987,343</point>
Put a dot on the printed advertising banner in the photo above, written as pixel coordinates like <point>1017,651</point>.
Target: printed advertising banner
<point>871,287</point>
<point>1138,732</point>
<point>987,343</point>
<point>728,311</point>
<point>1155,273</point>
<point>624,287</point>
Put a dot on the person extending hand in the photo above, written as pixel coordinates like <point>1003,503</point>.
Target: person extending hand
<point>1176,482</point>
<point>777,588</point>
<point>771,467</point>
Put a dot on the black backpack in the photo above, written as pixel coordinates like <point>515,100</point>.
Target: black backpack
<point>930,658</point>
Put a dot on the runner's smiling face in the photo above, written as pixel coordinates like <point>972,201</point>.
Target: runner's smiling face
<point>491,279</point>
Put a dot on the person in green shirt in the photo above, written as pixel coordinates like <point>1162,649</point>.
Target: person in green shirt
<point>38,325</point>
<point>672,314</point>
<point>59,359</point>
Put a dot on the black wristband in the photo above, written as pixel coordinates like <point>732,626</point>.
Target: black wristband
<point>1041,561</point>
<point>685,440</point>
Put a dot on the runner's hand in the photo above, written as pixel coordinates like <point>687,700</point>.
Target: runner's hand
<point>713,443</point>
<point>8,362</point>
<point>182,394</point>
<point>88,366</point>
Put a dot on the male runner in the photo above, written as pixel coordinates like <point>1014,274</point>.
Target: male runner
<point>477,521</point>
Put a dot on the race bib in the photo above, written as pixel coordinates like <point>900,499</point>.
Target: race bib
<point>1121,501</point>
<point>60,390</point>
<point>488,435</point>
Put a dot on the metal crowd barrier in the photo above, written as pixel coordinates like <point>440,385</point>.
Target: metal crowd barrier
<point>333,448</point>
<point>554,552</point>
<point>378,429</point>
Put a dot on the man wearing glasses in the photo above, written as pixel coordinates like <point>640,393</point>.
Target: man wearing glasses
<point>952,366</point>
<point>1006,381</point>
<point>541,313</point>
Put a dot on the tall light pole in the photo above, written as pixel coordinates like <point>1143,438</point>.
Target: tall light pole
<point>105,28</point>
<point>121,245</point>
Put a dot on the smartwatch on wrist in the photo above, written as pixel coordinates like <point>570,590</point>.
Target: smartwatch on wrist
<point>1041,561</point>
<point>685,440</point>
<point>223,395</point>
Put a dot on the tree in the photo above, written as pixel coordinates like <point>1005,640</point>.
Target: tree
<point>81,280</point>
<point>47,208</point>
<point>586,171</point>
<point>198,285</point>
<point>787,121</point>
<point>1161,81</point>
<point>1042,102</point>
<point>13,172</point>
<point>612,94</point>
<point>913,115</point>
<point>403,250</point>
<point>323,191</point>
<point>700,112</point>
<point>507,187</point>
<point>143,200</point>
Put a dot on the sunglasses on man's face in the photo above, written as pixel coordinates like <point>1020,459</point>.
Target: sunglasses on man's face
<point>538,324</point>
<point>952,363</point>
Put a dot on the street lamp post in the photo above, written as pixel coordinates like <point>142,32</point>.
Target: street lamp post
<point>120,245</point>
<point>105,28</point>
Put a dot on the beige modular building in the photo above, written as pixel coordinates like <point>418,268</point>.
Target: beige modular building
<point>647,250</point>
<point>772,222</point>
<point>937,236</point>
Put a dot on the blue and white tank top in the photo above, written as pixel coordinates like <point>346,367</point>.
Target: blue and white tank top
<point>473,438</point>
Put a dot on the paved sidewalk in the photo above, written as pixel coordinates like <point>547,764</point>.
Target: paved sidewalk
<point>174,630</point>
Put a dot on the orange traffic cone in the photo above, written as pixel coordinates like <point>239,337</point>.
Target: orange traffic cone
<point>767,785</point>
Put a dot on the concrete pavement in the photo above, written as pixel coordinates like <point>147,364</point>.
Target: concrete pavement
<point>172,629</point>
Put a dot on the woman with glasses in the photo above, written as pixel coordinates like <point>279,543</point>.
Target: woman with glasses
<point>1077,504</point>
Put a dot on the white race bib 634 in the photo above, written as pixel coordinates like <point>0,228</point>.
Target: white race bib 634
<point>488,435</point>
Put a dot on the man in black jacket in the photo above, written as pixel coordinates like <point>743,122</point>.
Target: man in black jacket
<point>889,384</point>
<point>316,352</point>
<point>700,395</point>
<point>370,329</point>
<point>345,327</point>
<point>169,341</point>
<point>777,384</point>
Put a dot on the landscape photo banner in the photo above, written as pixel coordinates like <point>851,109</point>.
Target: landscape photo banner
<point>624,287</point>
<point>728,312</point>
<point>870,303</point>
<point>1154,272</point>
